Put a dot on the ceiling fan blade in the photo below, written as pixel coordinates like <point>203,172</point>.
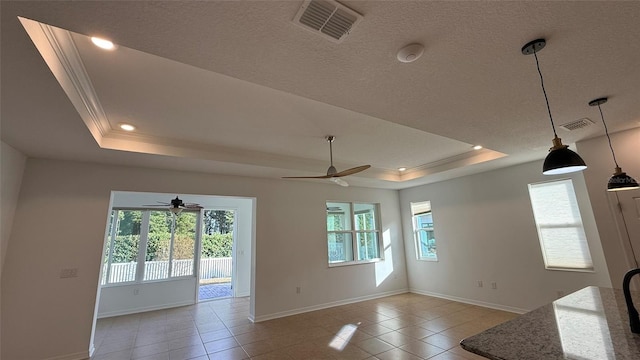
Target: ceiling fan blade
<point>308,177</point>
<point>154,205</point>
<point>192,206</point>
<point>339,181</point>
<point>352,171</point>
<point>331,172</point>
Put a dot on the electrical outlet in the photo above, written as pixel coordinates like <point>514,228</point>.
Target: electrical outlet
<point>479,283</point>
<point>494,285</point>
<point>297,289</point>
<point>68,273</point>
<point>136,291</point>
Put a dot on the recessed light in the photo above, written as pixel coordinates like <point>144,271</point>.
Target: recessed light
<point>102,43</point>
<point>127,127</point>
<point>402,169</point>
<point>477,147</point>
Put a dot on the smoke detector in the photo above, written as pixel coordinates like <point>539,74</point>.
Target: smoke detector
<point>410,53</point>
<point>327,18</point>
<point>577,124</point>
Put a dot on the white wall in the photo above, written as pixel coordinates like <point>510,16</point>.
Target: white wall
<point>245,227</point>
<point>124,299</point>
<point>485,230</point>
<point>12,166</point>
<point>70,202</point>
<point>13,163</point>
<point>597,155</point>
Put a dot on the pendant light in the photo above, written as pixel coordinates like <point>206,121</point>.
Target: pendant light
<point>619,180</point>
<point>560,159</point>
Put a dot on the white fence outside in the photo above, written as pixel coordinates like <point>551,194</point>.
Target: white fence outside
<point>210,268</point>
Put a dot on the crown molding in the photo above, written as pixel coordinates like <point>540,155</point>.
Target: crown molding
<point>450,163</point>
<point>61,55</point>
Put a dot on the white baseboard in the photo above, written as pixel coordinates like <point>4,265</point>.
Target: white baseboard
<point>325,305</point>
<point>471,301</point>
<point>144,309</point>
<point>83,355</point>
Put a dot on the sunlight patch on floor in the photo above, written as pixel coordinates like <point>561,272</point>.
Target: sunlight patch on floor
<point>343,336</point>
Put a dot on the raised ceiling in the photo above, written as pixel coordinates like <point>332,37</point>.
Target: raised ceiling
<point>235,87</point>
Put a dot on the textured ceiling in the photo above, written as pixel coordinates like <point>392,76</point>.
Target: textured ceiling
<point>254,94</point>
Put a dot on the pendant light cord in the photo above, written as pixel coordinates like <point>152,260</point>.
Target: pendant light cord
<point>606,131</point>
<point>535,55</point>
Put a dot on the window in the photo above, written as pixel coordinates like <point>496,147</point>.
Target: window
<point>423,235</point>
<point>123,242</point>
<point>184,242</point>
<point>353,233</point>
<point>560,231</point>
<point>158,245</point>
<point>145,245</point>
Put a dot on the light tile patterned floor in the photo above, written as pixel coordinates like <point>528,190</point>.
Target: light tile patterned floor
<point>407,326</point>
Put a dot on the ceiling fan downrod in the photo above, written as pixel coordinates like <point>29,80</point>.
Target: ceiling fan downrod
<point>331,170</point>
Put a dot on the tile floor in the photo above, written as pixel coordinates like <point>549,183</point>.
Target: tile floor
<point>407,326</point>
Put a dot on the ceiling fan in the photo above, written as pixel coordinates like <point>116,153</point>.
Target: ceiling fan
<point>176,205</point>
<point>332,173</point>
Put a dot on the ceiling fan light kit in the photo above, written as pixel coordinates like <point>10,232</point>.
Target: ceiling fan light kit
<point>560,159</point>
<point>339,181</point>
<point>332,172</point>
<point>619,180</point>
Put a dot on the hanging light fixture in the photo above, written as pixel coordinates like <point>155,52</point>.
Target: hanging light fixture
<point>560,159</point>
<point>619,180</point>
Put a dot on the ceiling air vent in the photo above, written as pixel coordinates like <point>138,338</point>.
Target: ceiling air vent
<point>327,18</point>
<point>578,124</point>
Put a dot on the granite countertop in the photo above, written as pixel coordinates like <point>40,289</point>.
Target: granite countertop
<point>591,323</point>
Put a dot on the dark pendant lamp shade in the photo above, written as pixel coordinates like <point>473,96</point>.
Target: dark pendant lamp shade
<point>560,159</point>
<point>619,180</point>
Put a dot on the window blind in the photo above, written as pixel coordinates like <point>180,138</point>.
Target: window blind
<point>557,216</point>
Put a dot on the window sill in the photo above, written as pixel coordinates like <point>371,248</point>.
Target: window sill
<point>588,270</point>
<point>427,259</point>
<point>349,263</point>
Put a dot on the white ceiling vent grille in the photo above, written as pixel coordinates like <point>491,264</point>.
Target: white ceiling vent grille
<point>578,124</point>
<point>327,18</point>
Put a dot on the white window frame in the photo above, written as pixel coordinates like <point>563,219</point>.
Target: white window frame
<point>142,248</point>
<point>551,263</point>
<point>354,235</point>
<point>416,232</point>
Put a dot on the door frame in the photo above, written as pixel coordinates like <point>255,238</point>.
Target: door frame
<point>233,251</point>
<point>631,255</point>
